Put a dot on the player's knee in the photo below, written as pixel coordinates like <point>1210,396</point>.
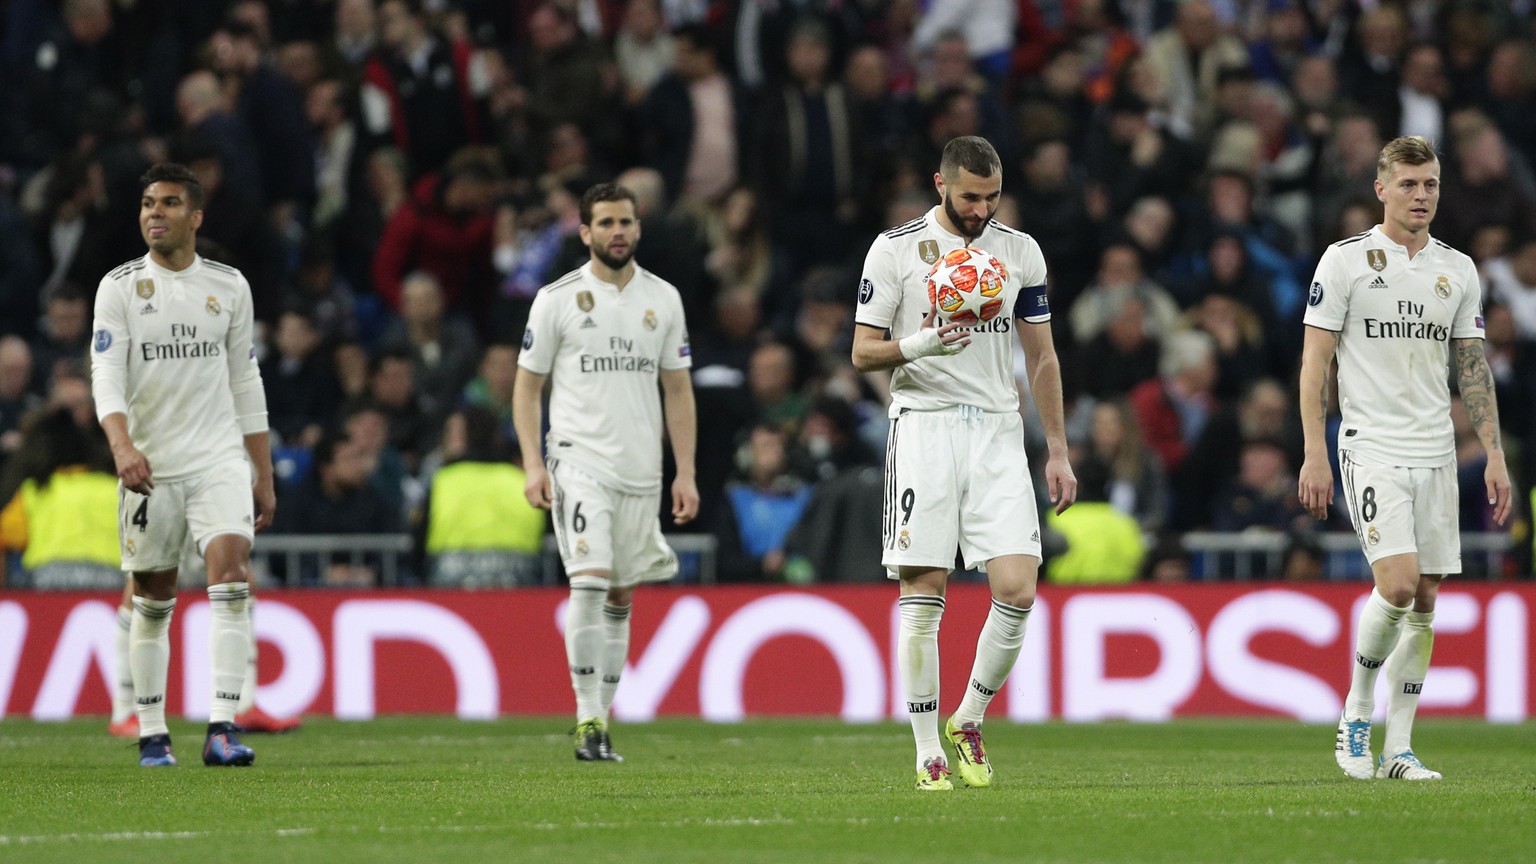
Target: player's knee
<point>1022,597</point>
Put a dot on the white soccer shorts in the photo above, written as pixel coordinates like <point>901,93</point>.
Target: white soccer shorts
<point>1397,510</point>
<point>154,527</point>
<point>957,479</point>
<point>600,528</point>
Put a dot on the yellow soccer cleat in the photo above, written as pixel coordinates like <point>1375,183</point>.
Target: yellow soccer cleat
<point>975,770</point>
<point>934,776</point>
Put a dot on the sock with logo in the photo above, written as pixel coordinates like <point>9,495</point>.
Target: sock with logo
<point>248,686</point>
<point>584,643</point>
<point>229,644</point>
<point>149,658</point>
<point>1380,623</point>
<point>615,651</point>
<point>1405,671</point>
<point>917,647</point>
<point>996,650</point>
<point>122,676</point>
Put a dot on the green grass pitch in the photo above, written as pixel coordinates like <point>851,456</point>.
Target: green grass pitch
<point>413,789</point>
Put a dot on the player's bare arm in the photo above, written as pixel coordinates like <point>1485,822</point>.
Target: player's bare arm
<point>264,487</point>
<point>873,349</point>
<point>132,467</point>
<point>528,421</point>
<point>682,430</point>
<point>1315,485</point>
<point>1475,382</point>
<point>1045,386</point>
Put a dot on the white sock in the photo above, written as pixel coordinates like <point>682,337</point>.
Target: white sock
<point>1405,670</point>
<point>122,676</point>
<point>1380,622</point>
<point>996,650</point>
<point>615,651</point>
<point>229,644</point>
<point>918,647</point>
<point>248,686</point>
<point>149,658</point>
<point>584,643</point>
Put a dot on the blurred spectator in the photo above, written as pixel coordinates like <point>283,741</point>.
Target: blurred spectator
<point>1423,93</point>
<point>983,30</point>
<point>337,162</point>
<point>885,116</point>
<point>1262,495</point>
<point>1151,226</point>
<point>1489,188</point>
<point>207,118</point>
<point>21,272</point>
<point>762,507</point>
<point>477,529</point>
<point>690,123</point>
<point>1167,562</point>
<point>444,230</point>
<point>442,347</point>
<point>674,246</point>
<point>763,31</point>
<point>355,32</point>
<point>1058,219</point>
<point>1104,544</point>
<point>1238,336</point>
<point>335,499</point>
<point>1286,42</point>
<point>564,74</point>
<point>273,109</point>
<point>302,392</point>
<point>75,57</point>
<point>847,498</point>
<point>642,49</point>
<point>384,192</point>
<point>1347,168</point>
<point>1120,276</point>
<point>73,234</point>
<point>1512,360</point>
<point>233,219</point>
<point>16,396</point>
<point>824,322</point>
<point>1370,68</point>
<point>808,153</point>
<point>1265,412</point>
<point>1511,93</point>
<point>325,296</point>
<point>1304,559</point>
<point>63,518</point>
<point>947,71</point>
<point>774,381</point>
<point>740,252</point>
<point>491,390</point>
<point>393,391</point>
<point>530,248</point>
<point>420,92</point>
<point>1134,482</point>
<point>63,337</point>
<point>1122,355</point>
<point>1187,58</point>
<point>1173,408</point>
<point>1129,158</point>
<point>368,427</point>
<point>1511,282</point>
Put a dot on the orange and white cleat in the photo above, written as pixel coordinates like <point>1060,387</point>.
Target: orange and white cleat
<point>259,721</point>
<point>128,728</point>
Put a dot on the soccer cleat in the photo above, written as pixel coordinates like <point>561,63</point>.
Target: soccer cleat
<point>257,720</point>
<point>934,776</point>
<point>974,768</point>
<point>128,728</point>
<point>155,752</point>
<point>1352,748</point>
<point>223,748</point>
<point>593,743</point>
<point>1404,766</point>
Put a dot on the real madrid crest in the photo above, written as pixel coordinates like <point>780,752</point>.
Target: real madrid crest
<point>904,541</point>
<point>582,549</point>
<point>584,301</point>
<point>145,288</point>
<point>928,250</point>
<point>1443,288</point>
<point>1377,259</point>
<point>649,320</point>
<point>1373,535</point>
<point>212,305</point>
<point>128,545</point>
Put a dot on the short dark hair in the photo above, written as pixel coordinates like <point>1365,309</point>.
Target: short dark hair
<point>604,192</point>
<point>971,152</point>
<point>172,172</point>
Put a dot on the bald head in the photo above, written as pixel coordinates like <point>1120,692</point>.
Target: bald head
<point>197,96</point>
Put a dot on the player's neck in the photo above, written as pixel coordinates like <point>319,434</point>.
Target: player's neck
<point>1413,241</point>
<point>617,278</point>
<point>177,260</point>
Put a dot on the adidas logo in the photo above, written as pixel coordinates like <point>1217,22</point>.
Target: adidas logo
<point>147,309</point>
<point>1378,282</point>
<point>587,323</point>
<point>1034,536</point>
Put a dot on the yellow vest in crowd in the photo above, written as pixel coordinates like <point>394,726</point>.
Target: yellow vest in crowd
<point>1104,546</point>
<point>73,518</point>
<point>479,506</point>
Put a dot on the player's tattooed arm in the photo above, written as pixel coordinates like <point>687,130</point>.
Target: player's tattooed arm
<point>1475,382</point>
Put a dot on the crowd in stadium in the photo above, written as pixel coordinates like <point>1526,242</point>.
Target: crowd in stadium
<point>397,179</point>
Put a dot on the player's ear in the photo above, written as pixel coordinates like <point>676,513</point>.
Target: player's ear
<point>586,234</point>
<point>197,219</point>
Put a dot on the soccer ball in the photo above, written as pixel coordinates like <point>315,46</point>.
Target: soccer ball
<point>966,286</point>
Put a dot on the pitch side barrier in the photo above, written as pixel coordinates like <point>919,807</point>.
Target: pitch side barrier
<point>727,653</point>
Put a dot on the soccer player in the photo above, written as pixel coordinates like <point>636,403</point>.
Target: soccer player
<point>1393,304</point>
<point>605,333</point>
<point>956,474</point>
<point>180,397</point>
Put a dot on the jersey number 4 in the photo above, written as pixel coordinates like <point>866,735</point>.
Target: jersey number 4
<point>141,516</point>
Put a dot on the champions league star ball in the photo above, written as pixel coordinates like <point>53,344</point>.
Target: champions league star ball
<point>966,286</point>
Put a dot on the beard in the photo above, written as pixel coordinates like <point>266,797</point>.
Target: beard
<point>612,261</point>
<point>965,225</point>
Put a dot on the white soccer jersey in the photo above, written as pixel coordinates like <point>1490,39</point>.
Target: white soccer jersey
<point>605,350</point>
<point>1395,318</point>
<point>172,351</point>
<point>893,294</point>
